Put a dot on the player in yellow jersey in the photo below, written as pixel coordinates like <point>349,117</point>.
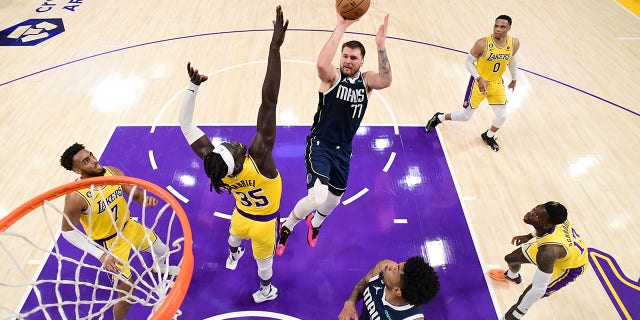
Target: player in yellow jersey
<point>487,61</point>
<point>110,232</point>
<point>252,178</point>
<point>559,252</point>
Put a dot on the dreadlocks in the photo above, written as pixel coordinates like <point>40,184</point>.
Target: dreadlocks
<point>216,169</point>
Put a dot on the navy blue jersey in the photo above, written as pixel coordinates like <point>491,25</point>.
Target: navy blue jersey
<point>340,111</point>
<point>376,307</point>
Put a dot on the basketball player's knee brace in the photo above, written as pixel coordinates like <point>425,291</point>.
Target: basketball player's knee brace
<point>463,115</point>
<point>234,241</point>
<point>499,115</point>
<point>265,272</point>
<point>329,204</point>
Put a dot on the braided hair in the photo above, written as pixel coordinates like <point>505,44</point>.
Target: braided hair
<point>419,282</point>
<point>216,169</point>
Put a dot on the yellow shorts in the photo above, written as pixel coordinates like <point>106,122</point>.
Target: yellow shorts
<point>263,234</point>
<point>134,236</point>
<point>495,94</point>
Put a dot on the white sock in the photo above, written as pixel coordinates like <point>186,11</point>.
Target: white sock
<point>490,133</point>
<point>441,117</point>
<point>317,220</point>
<point>511,274</point>
<point>265,290</point>
<point>291,221</point>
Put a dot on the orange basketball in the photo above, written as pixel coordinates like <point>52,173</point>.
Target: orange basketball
<point>352,9</point>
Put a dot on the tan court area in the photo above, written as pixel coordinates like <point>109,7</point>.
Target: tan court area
<point>572,133</point>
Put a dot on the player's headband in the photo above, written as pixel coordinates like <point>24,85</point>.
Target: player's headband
<point>226,157</point>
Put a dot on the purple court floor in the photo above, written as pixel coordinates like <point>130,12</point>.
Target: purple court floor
<point>401,201</point>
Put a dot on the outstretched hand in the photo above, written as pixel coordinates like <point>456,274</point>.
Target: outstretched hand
<point>196,78</point>
<point>346,22</point>
<point>518,240</point>
<point>382,32</point>
<point>279,28</point>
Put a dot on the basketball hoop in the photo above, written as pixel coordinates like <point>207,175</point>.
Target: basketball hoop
<point>164,296</point>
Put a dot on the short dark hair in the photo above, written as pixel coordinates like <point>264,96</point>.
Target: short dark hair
<point>557,212</point>
<point>419,282</point>
<point>66,159</point>
<point>353,44</point>
<point>216,169</point>
<point>504,17</point>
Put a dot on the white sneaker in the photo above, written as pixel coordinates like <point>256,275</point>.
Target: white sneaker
<point>233,263</point>
<point>259,296</point>
<point>171,270</point>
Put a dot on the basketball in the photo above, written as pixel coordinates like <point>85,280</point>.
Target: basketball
<point>352,9</point>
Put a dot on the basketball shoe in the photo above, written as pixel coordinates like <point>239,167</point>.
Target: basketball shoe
<point>260,295</point>
<point>282,244</point>
<point>312,233</point>
<point>501,275</point>
<point>490,141</point>
<point>433,122</point>
<point>233,258</point>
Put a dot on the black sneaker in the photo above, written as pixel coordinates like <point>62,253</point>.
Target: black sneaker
<point>282,244</point>
<point>433,122</point>
<point>491,142</point>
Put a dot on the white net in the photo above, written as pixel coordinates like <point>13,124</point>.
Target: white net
<point>69,283</point>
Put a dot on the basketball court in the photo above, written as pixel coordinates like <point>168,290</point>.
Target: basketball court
<point>112,76</point>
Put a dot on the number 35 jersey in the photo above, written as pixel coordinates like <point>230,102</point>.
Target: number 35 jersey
<point>340,111</point>
<point>255,194</point>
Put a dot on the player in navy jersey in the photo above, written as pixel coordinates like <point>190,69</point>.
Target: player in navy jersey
<point>393,291</point>
<point>343,98</point>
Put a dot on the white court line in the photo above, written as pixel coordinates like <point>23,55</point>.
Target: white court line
<point>389,162</point>
<point>400,221</point>
<point>177,194</point>
<point>222,215</point>
<point>628,38</point>
<point>152,159</point>
<point>260,314</point>
<point>355,197</point>
<point>487,280</point>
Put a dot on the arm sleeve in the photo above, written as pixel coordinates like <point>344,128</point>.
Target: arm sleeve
<point>189,129</point>
<point>513,68</point>
<point>470,64</point>
<point>538,288</point>
<point>81,242</point>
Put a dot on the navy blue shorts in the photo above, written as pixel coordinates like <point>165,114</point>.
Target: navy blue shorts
<point>327,163</point>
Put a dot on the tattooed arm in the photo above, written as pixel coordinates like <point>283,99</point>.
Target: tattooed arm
<point>349,310</point>
<point>382,79</point>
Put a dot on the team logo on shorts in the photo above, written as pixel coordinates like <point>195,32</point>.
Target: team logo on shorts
<point>31,32</point>
<point>309,177</point>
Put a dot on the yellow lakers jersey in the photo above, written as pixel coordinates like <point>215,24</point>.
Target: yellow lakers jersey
<point>106,205</point>
<point>255,194</point>
<point>494,62</point>
<point>564,235</point>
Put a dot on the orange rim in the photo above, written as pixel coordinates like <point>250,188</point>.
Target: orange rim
<point>177,293</point>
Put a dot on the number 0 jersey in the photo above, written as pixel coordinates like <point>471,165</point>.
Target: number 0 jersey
<point>255,194</point>
<point>106,204</point>
<point>494,62</point>
<point>340,110</point>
